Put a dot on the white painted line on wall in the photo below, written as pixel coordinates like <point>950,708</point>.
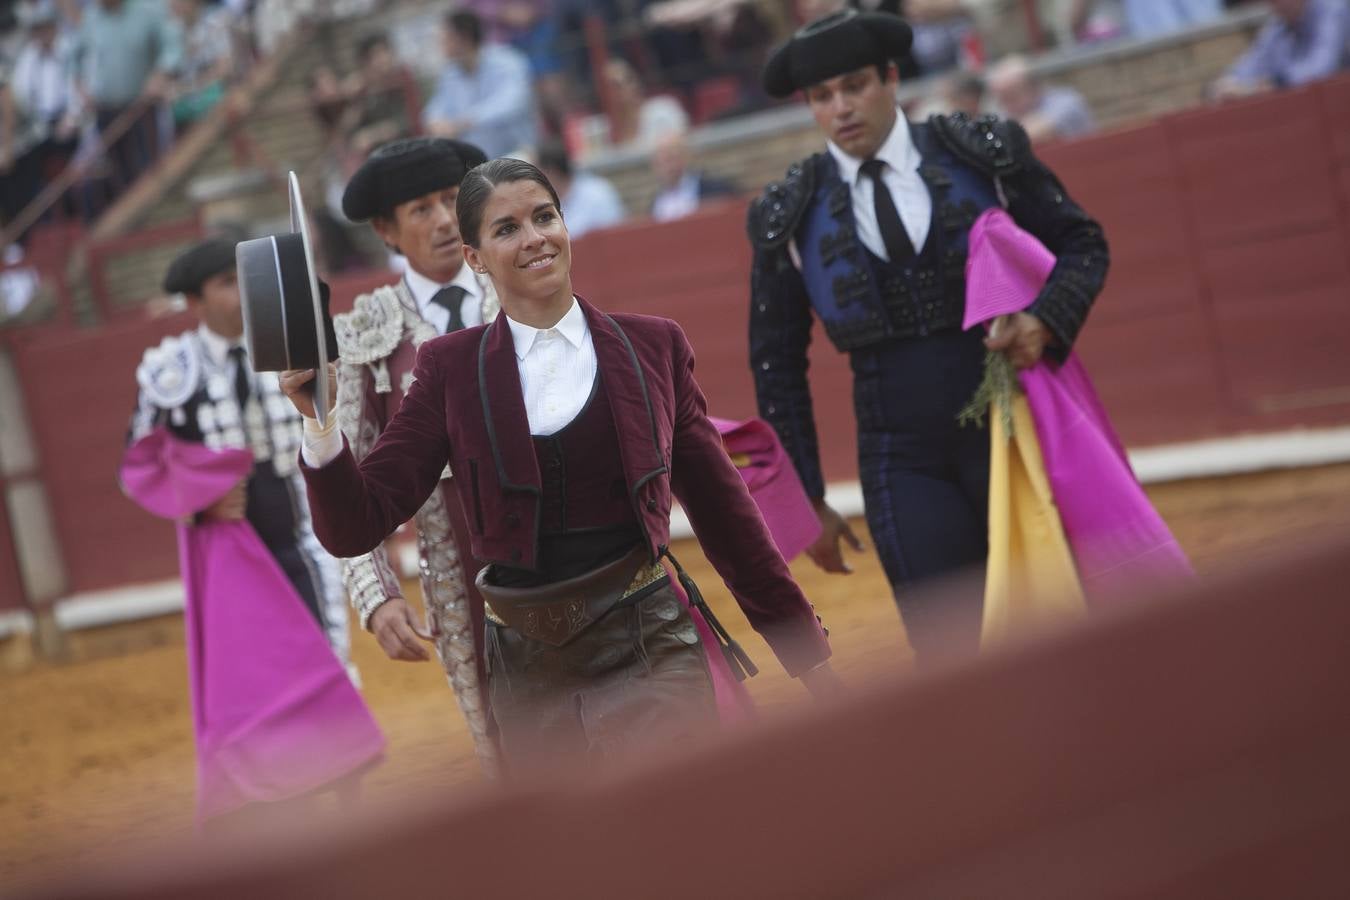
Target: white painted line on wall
<point>1243,453</point>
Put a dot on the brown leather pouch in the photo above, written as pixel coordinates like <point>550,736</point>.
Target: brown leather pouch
<point>556,613</point>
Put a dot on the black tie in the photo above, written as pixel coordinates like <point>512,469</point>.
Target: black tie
<point>898,246</point>
<point>451,298</point>
<point>241,384</point>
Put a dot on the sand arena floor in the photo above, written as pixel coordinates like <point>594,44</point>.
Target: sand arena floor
<point>96,755</point>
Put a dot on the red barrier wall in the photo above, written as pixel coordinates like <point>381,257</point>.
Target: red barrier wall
<point>80,390</point>
<point>1094,760</point>
<point>1225,311</point>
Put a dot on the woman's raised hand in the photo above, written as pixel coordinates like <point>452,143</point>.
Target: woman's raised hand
<point>297,384</point>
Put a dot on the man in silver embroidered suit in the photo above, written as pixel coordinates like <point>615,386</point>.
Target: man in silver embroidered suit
<point>407,191</point>
<point>201,386</point>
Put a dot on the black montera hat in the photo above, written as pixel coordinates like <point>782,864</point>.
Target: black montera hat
<point>829,47</point>
<point>286,321</point>
<point>404,170</point>
<point>190,269</point>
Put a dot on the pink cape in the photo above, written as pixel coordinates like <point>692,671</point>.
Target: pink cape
<point>773,483</point>
<point>1117,538</point>
<point>273,711</point>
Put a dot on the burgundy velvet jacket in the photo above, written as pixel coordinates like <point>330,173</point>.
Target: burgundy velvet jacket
<point>466,406</point>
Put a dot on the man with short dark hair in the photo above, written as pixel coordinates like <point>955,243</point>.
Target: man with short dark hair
<point>213,447</point>
<point>483,94</point>
<point>870,237</point>
<point>407,191</point>
<point>201,386</point>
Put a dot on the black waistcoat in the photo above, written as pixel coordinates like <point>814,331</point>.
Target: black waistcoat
<point>586,518</point>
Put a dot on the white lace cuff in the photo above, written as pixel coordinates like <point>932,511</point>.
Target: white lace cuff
<point>321,444</point>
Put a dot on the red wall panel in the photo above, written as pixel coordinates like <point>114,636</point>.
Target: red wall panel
<point>80,389</point>
<point>1148,343</point>
<point>1256,169</point>
<point>1274,303</point>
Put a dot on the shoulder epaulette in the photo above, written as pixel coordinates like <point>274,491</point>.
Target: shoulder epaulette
<point>997,147</point>
<point>170,372</point>
<point>775,214</point>
<point>372,330</point>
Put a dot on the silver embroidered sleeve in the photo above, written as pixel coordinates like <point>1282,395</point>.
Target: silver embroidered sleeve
<point>143,419</point>
<point>370,579</point>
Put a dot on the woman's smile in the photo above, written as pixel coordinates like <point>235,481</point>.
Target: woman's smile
<point>542,261</point>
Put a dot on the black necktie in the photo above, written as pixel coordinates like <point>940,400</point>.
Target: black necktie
<point>451,298</point>
<point>898,246</point>
<point>241,383</point>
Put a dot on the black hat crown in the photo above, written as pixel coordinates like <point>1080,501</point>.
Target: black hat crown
<point>834,45</point>
<point>286,321</point>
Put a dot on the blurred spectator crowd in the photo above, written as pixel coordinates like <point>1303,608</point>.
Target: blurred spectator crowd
<point>109,84</point>
<point>567,81</point>
<point>93,92</point>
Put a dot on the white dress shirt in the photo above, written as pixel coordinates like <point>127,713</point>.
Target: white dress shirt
<point>218,349</point>
<point>901,175</point>
<point>42,84</point>
<point>557,372</point>
<point>557,369</point>
<point>423,289</point>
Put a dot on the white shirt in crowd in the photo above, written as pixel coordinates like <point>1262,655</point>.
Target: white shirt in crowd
<point>423,289</point>
<point>42,84</point>
<point>678,201</point>
<point>557,372</point>
<point>901,175</point>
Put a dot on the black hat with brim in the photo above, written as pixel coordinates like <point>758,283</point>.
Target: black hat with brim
<point>190,269</point>
<point>404,170</point>
<point>832,46</point>
<point>286,321</point>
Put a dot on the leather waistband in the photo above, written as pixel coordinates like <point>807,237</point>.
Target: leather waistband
<point>556,613</point>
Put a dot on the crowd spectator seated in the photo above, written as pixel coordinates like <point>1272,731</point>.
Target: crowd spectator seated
<point>534,28</point>
<point>40,112</point>
<point>483,94</point>
<point>376,96</point>
<point>683,188</point>
<point>207,62</point>
<point>962,92</point>
<point>1091,21</point>
<point>970,33</point>
<point>1302,41</point>
<point>356,113</point>
<point>126,55</point>
<point>736,37</point>
<point>589,202</point>
<point>634,122</point>
<point>1047,112</point>
<point>943,33</point>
